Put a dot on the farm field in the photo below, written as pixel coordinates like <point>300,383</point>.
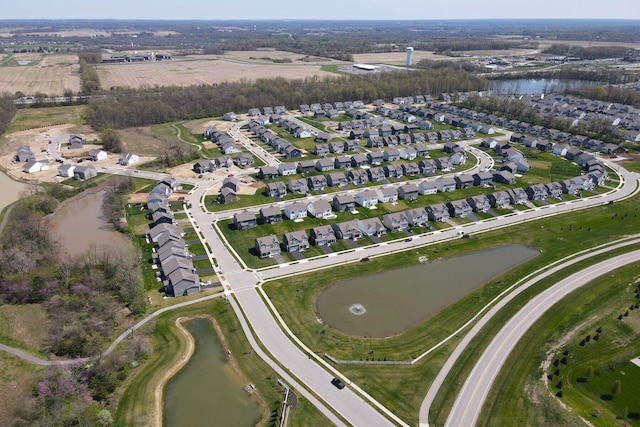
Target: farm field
<point>210,69</point>
<point>48,74</point>
<point>396,58</point>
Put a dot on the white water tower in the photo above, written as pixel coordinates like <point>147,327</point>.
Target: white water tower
<point>409,56</point>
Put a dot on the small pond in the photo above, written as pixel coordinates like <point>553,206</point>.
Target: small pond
<point>389,303</point>
<point>10,190</point>
<point>207,392</point>
<point>24,62</point>
<point>79,225</point>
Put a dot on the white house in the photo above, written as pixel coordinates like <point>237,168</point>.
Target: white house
<point>33,166</point>
<point>66,171</point>
<point>127,159</point>
<point>295,211</point>
<point>367,198</point>
<point>320,209</point>
<point>97,155</point>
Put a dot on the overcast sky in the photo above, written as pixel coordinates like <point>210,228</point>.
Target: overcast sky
<point>323,9</point>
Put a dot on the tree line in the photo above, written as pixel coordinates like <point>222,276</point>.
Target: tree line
<point>7,111</point>
<point>591,52</point>
<point>89,77</point>
<point>151,105</point>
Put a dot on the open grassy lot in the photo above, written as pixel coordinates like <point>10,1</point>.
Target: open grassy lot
<point>137,399</point>
<point>24,326</point>
<point>554,357</point>
<point>17,379</point>
<point>40,73</point>
<point>296,297</point>
<point>50,116</point>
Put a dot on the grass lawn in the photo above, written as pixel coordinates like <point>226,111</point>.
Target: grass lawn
<point>296,296</point>
<point>17,380</point>
<point>24,326</point>
<point>137,398</point>
<point>584,371</point>
<point>30,118</point>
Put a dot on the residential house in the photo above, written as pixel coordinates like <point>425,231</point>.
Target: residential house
<point>537,192</point>
<point>458,158</point>
<point>323,137</point>
<point>510,167</point>
<point>321,149</point>
<point>204,166</point>
<point>295,241</point>
<point>227,195</point>
<point>286,169</point>
<point>337,179</point>
<point>276,189</point>
<point>483,178</point>
<point>613,149</point>
<point>375,157</point>
<point>127,159</point>
<point>408,192</point>
<point>164,229</point>
<point>305,166</point>
<point>421,150</point>
<point>302,133</point>
<point>387,194</point>
<point>479,203</point>
<point>298,186</point>
<point>391,155</point>
<point>499,199</point>
<point>376,174</point>
<point>342,162</point>
<point>291,152</point>
<point>504,177</point>
<point>268,172</point>
<point>445,184</point>
<point>317,182</point>
<point>428,166</point>
<point>66,170</point>
<point>522,165</point>
<point>518,196</point>
<point>325,165</point>
<point>351,145</point>
<point>244,220</point>
<point>410,169</point>
<point>417,217</point>
<point>84,172</point>
<point>295,211</point>
<point>459,208</point>
<point>230,147</point>
<point>24,154</point>
<point>323,235</point>
<point>336,147</point>
<point>320,209</point>
<point>270,215</point>
<point>393,171</point>
<point>347,230</point>
<point>267,246</point>
<point>229,117</point>
<point>344,202</point>
<point>428,187</point>
<point>554,189</point>
<point>371,227</point>
<point>75,142</point>
<point>366,199</point>
<point>438,212</point>
<point>463,181</point>
<point>358,176</point>
<point>182,282</point>
<point>444,163</point>
<point>396,221</point>
<point>358,160</point>
<point>408,153</point>
<point>243,160</point>
<point>96,155</point>
<point>223,162</point>
<point>570,187</point>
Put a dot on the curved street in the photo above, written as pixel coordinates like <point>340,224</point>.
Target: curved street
<point>468,404</point>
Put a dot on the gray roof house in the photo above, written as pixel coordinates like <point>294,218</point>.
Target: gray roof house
<point>445,184</point>
<point>323,235</point>
<point>347,230</point>
<point>267,246</point>
<point>317,182</point>
<point>483,178</point>
<point>537,192</point>
<point>182,282</point>
<point>393,171</point>
<point>366,199</point>
<point>554,189</point>
<point>343,202</point>
<point>325,164</point>
<point>375,157</point>
<point>295,211</point>
<point>410,169</point>
<point>24,154</point>
<point>305,166</point>
<point>428,166</point>
<point>270,215</point>
<point>504,177</point>
<point>464,181</point>
<point>459,208</point>
<point>376,174</point>
<point>418,217</point>
<point>444,163</point>
<point>342,162</point>
<point>387,194</point>
<point>276,189</point>
<point>371,227</point>
<point>518,196</point>
<point>295,241</point>
<point>438,212</point>
<point>428,186</point>
<point>320,209</point>
<point>396,221</point>
<point>479,203</point>
<point>499,199</point>
<point>84,172</point>
<point>408,192</point>
<point>358,176</point>
<point>358,159</point>
<point>337,179</point>
<point>268,172</point>
<point>244,220</point>
<point>298,186</point>
<point>227,195</point>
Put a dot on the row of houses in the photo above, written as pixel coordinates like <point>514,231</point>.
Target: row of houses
<point>225,143</point>
<point>170,252</point>
<point>328,107</point>
<point>284,147</point>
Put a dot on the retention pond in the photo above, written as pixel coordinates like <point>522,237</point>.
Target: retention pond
<point>207,392</point>
<point>389,303</point>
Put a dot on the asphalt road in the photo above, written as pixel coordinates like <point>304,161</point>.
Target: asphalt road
<point>468,405</point>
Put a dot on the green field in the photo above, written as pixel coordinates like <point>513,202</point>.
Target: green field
<point>32,118</point>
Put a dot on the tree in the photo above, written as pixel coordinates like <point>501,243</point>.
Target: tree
<point>111,140</point>
<point>616,389</point>
<point>104,417</point>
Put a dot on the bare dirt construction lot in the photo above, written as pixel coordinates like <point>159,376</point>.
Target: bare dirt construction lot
<point>210,69</point>
<point>30,73</point>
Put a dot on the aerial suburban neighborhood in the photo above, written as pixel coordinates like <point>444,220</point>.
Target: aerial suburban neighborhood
<point>365,223</point>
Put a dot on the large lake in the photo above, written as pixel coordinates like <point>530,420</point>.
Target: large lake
<point>206,392</point>
<point>534,86</point>
<point>389,303</point>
